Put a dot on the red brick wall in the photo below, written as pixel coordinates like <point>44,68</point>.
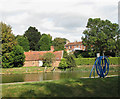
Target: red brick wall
<point>31,63</point>
<point>36,63</point>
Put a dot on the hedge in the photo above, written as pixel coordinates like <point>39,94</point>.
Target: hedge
<point>90,61</point>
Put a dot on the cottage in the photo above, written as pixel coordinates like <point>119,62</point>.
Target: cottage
<point>33,58</point>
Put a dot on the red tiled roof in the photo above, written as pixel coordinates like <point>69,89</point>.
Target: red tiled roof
<point>35,55</point>
<point>73,43</point>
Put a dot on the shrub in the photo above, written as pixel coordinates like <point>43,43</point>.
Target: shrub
<point>90,61</point>
<point>63,64</point>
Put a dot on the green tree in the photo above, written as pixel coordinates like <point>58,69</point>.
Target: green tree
<point>23,41</point>
<point>9,44</point>
<point>18,56</point>
<point>59,43</point>
<point>70,61</point>
<point>33,36</point>
<point>100,35</point>
<point>8,39</point>
<point>44,43</point>
<point>48,59</point>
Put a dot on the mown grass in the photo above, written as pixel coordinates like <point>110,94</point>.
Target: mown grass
<point>95,87</point>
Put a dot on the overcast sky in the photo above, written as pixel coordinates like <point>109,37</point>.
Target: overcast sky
<point>59,18</point>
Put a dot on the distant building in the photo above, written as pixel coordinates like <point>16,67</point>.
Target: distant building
<point>72,46</point>
<point>32,58</point>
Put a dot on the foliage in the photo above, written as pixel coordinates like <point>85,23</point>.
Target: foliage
<point>33,36</point>
<point>15,58</point>
<point>18,56</point>
<point>12,53</point>
<point>8,39</point>
<point>70,61</point>
<point>23,41</point>
<point>44,43</point>
<point>48,59</point>
<point>59,43</point>
<point>100,35</point>
<point>63,64</point>
<point>90,61</point>
<point>65,54</point>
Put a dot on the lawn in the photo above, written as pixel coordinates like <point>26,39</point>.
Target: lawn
<point>82,87</point>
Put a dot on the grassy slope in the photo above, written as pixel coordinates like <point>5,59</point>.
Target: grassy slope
<point>97,87</point>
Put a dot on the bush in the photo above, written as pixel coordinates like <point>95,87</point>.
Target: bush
<point>70,61</point>
<point>15,58</point>
<point>90,61</point>
<point>63,64</point>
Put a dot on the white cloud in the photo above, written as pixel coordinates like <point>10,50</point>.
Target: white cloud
<point>60,18</point>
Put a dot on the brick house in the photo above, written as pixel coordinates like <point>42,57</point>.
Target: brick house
<point>72,46</point>
<point>32,58</point>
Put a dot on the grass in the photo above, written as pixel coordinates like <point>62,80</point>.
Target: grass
<point>36,69</point>
<point>21,70</point>
<point>96,87</point>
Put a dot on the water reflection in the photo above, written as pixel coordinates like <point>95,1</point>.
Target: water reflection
<point>45,76</point>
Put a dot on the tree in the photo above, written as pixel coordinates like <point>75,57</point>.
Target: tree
<point>23,42</point>
<point>9,44</point>
<point>100,35</point>
<point>33,36</point>
<point>59,43</point>
<point>48,59</point>
<point>8,39</point>
<point>44,43</point>
<point>70,61</point>
<point>18,56</point>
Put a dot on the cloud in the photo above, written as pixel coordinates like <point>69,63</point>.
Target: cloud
<point>60,18</point>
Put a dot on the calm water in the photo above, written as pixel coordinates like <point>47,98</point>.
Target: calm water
<point>10,78</point>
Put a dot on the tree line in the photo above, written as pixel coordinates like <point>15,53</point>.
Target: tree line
<point>33,40</point>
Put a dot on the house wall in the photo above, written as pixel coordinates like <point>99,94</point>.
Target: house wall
<point>31,63</point>
<point>56,63</point>
<point>36,63</point>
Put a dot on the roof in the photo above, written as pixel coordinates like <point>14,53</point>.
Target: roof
<point>35,55</point>
<point>73,43</point>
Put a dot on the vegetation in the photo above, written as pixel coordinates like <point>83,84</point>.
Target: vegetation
<point>48,59</point>
<point>67,62</point>
<point>44,43</point>
<point>33,36</point>
<point>90,61</point>
<point>59,43</point>
<point>101,36</point>
<point>64,88</point>
<point>23,41</point>
<point>12,53</point>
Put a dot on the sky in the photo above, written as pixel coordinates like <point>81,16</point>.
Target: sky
<point>59,18</point>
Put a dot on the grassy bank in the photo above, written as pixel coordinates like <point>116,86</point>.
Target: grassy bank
<point>21,70</point>
<point>36,69</point>
<point>97,87</point>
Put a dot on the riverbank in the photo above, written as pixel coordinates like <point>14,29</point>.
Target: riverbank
<point>35,69</point>
<point>97,87</point>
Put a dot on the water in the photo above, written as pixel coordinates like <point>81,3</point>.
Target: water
<point>10,78</point>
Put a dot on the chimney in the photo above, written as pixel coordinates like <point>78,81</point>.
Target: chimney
<point>52,48</point>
